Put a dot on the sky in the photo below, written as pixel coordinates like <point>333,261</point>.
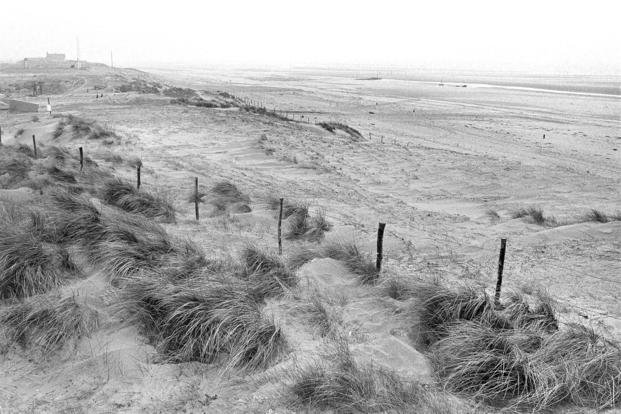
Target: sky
<point>543,36</point>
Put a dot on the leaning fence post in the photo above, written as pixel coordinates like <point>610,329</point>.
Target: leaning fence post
<point>81,159</point>
<point>196,197</point>
<point>501,265</point>
<point>138,176</point>
<point>280,228</point>
<point>34,145</point>
<point>380,246</point>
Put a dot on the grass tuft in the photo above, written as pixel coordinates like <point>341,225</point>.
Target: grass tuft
<point>126,197</point>
<point>266,273</point>
<point>536,216</point>
<point>48,322</point>
<point>203,320</point>
<point>516,355</point>
<point>343,385</point>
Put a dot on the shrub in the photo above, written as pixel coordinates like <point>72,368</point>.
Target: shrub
<point>48,322</point>
<point>126,197</point>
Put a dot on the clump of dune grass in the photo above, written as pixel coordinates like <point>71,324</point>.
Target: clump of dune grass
<point>126,197</point>
<point>342,384</point>
<point>267,273</point>
<point>535,214</point>
<point>48,322</point>
<point>88,129</point>
<point>300,225</point>
<point>332,126</point>
<point>601,217</point>
<point>224,194</point>
<point>346,252</point>
<point>493,215</point>
<point>28,265</point>
<point>206,320</point>
<point>515,354</point>
<point>14,168</point>
<point>26,150</point>
<point>320,314</point>
<point>398,288</point>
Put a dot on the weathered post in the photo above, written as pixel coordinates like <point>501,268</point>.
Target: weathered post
<point>196,197</point>
<point>380,246</point>
<point>138,176</point>
<point>34,145</point>
<point>280,228</point>
<point>81,158</point>
<point>501,265</point>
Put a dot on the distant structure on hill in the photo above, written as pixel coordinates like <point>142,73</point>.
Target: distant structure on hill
<point>56,57</point>
<point>51,60</point>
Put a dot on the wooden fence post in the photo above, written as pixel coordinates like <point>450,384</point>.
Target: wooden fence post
<point>280,228</point>
<point>196,197</point>
<point>138,176</point>
<point>501,265</point>
<point>34,145</point>
<point>380,246</point>
<point>81,159</point>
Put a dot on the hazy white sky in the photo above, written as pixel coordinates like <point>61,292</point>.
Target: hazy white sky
<point>544,36</point>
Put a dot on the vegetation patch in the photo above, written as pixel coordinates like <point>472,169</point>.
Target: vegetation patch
<point>341,384</point>
<point>48,322</point>
<point>333,126</point>
<point>266,273</point>
<point>515,354</point>
<point>348,253</point>
<point>205,320</point>
<point>535,215</point>
<point>126,197</point>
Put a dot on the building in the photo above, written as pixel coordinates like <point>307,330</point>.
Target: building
<point>55,57</point>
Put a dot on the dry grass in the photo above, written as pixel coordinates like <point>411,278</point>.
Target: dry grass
<point>516,355</point>
<point>346,252</point>
<point>341,384</point>
<point>225,194</point>
<point>601,217</point>
<point>88,129</point>
<point>535,214</point>
<point>266,273</point>
<point>29,265</point>
<point>126,197</point>
<point>48,322</point>
<point>300,225</point>
<point>207,320</point>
